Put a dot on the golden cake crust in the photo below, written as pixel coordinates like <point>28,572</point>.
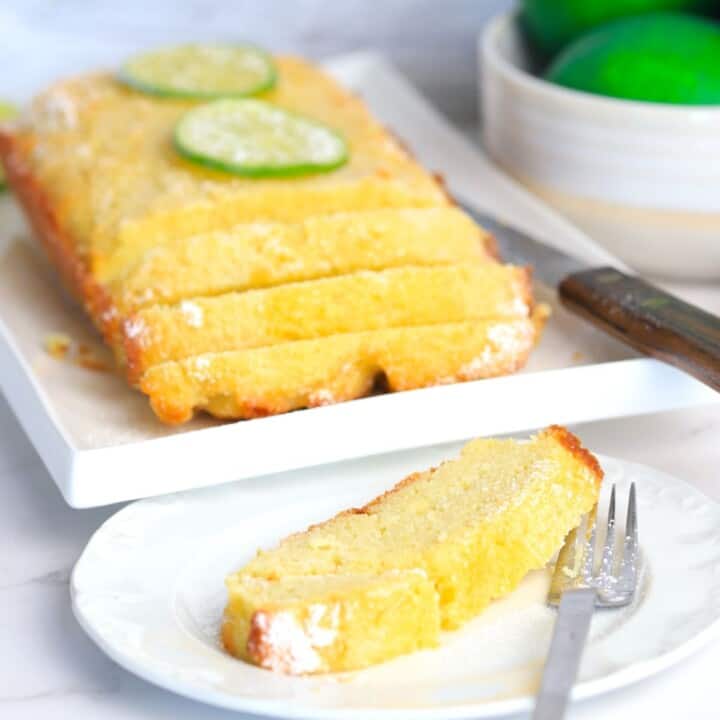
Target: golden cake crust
<point>572,443</point>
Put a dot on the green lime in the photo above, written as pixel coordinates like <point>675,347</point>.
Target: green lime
<point>201,71</point>
<point>551,24</point>
<point>660,57</point>
<point>7,112</point>
<point>257,139</point>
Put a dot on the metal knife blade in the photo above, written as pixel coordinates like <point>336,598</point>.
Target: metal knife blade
<point>639,314</point>
<point>549,265</point>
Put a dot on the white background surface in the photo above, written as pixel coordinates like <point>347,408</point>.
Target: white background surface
<point>48,669</point>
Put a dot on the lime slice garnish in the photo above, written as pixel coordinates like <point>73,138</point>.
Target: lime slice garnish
<point>201,71</point>
<point>257,139</point>
<point>7,112</point>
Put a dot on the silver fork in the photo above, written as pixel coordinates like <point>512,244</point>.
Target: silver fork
<point>577,589</point>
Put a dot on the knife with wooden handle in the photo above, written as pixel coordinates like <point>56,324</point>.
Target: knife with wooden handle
<point>652,321</point>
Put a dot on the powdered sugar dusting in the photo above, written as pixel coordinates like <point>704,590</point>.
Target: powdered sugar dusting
<point>478,365</point>
<point>322,635</point>
<point>517,306</point>
<point>192,313</point>
<point>136,329</point>
<point>198,367</point>
<point>109,314</point>
<point>283,642</point>
<point>511,337</point>
<point>323,396</point>
<point>291,646</point>
<point>505,340</point>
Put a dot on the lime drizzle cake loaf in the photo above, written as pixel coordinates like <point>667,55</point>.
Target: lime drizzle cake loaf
<point>209,284</point>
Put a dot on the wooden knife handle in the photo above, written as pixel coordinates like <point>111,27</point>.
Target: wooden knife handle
<point>649,319</point>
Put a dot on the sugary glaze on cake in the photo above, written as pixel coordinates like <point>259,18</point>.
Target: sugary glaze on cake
<point>471,529</point>
<point>171,259</point>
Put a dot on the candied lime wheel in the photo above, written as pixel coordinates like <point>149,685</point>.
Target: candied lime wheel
<point>257,139</point>
<point>201,71</point>
<point>7,112</point>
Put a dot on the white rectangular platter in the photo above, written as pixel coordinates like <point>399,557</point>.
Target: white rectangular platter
<point>101,443</point>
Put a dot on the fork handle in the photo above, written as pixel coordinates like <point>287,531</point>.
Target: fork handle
<point>566,647</point>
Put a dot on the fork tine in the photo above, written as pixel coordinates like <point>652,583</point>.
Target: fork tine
<point>608,555</point>
<point>628,569</point>
<point>631,523</point>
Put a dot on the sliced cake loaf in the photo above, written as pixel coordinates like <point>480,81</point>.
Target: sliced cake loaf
<point>211,287</point>
<point>470,529</point>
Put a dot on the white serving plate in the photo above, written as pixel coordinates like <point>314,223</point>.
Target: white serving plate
<point>149,591</point>
<point>102,444</point>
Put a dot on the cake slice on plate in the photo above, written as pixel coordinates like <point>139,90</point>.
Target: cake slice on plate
<point>382,580</point>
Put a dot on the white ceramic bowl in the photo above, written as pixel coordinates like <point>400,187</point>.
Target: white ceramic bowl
<point>643,179</point>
